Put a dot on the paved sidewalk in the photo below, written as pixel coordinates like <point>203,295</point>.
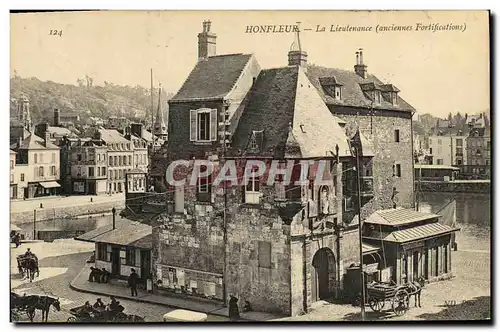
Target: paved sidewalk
<point>62,201</point>
<point>81,283</point>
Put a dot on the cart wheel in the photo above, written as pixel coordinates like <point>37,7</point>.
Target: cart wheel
<point>400,302</point>
<point>376,305</point>
<point>71,320</point>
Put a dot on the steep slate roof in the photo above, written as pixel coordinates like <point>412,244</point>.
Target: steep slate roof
<point>270,108</point>
<point>222,71</point>
<point>33,142</point>
<point>352,94</point>
<point>281,97</point>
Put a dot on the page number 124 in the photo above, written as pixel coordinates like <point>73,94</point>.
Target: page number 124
<point>55,33</point>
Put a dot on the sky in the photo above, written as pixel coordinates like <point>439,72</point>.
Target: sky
<point>437,72</point>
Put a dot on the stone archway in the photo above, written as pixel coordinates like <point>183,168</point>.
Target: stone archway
<point>323,274</point>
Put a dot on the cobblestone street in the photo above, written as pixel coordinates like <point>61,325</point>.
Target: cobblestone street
<point>60,262</point>
<point>465,297</point>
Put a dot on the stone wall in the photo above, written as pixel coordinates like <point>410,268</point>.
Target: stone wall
<point>66,211</point>
<point>379,129</point>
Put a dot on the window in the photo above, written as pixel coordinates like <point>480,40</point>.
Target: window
<point>91,171</point>
<point>52,170</point>
<point>130,160</point>
<point>439,150</point>
<point>459,161</point>
<point>41,158</point>
<point>36,158</point>
<point>397,170</point>
<point>440,142</point>
<point>40,171</point>
<point>204,187</point>
<point>203,125</point>
<point>111,174</point>
<point>104,171</point>
<point>459,142</point>
<point>98,157</point>
<point>91,156</point>
<point>101,251</point>
<point>98,171</point>
<point>430,150</point>
<point>115,160</point>
<point>430,140</point>
<point>104,157</point>
<point>12,164</point>
<point>130,257</point>
<point>265,254</point>
<point>252,191</point>
<point>79,171</point>
<point>22,177</point>
<point>79,157</point>
<point>53,157</point>
<point>136,157</point>
<point>439,161</point>
<point>120,161</point>
<point>111,161</point>
<point>396,135</point>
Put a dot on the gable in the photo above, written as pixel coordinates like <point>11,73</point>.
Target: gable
<point>212,78</point>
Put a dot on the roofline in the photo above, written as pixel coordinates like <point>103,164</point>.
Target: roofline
<point>401,110</point>
<point>243,71</point>
<point>176,101</point>
<point>414,240</point>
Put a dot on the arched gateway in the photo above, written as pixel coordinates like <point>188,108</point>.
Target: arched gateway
<point>323,274</point>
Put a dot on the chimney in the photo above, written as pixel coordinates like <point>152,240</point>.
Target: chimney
<point>360,67</point>
<point>57,117</point>
<point>297,57</point>
<point>206,41</point>
<point>47,138</point>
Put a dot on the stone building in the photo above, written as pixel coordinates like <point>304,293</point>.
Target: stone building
<point>89,168</point>
<point>280,247</point>
<point>479,152</point>
<point>384,119</point>
<point>37,166</point>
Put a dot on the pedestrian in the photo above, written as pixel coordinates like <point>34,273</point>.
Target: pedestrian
<point>132,282</point>
<point>104,275</point>
<point>234,312</point>
<point>98,304</point>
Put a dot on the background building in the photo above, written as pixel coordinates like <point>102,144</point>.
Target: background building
<point>89,168</point>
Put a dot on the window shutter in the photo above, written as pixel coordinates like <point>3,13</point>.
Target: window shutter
<point>213,125</point>
<point>193,125</point>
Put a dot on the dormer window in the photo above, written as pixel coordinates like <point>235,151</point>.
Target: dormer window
<point>256,140</point>
<point>331,87</point>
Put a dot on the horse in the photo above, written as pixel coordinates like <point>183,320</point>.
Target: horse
<point>415,289</point>
<point>42,303</point>
<point>28,265</point>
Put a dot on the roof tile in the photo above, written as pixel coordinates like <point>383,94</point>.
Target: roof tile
<point>213,77</point>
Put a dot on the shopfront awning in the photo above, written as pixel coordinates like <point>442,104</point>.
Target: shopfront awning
<point>50,184</point>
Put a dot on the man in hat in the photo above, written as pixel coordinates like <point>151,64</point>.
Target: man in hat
<point>132,282</point>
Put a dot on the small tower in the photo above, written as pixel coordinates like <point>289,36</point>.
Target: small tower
<point>23,113</point>
<point>206,41</point>
<point>160,128</point>
<point>297,57</point>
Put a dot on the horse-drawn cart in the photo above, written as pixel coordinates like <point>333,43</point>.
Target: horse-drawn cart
<point>378,294</point>
<point>100,315</point>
